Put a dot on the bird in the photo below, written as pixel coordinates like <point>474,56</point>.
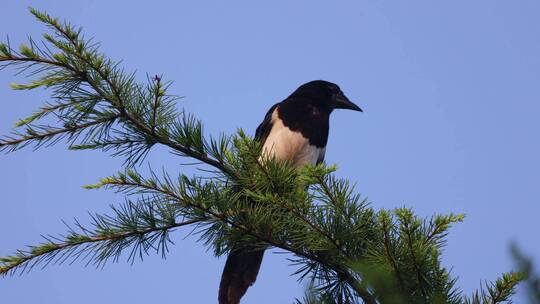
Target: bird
<point>295,130</point>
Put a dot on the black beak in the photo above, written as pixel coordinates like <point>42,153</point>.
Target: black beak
<point>342,102</point>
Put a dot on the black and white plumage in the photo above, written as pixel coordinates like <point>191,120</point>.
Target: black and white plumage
<point>295,130</point>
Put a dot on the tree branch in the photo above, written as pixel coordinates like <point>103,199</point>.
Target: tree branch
<point>298,215</point>
<point>50,248</point>
<point>389,254</point>
<point>59,131</point>
<point>367,297</point>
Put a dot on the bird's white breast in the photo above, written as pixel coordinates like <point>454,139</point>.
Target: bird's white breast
<point>285,144</point>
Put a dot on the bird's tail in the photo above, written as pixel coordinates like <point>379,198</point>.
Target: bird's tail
<point>239,273</point>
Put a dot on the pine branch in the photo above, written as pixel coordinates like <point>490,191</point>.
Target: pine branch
<point>133,183</point>
<point>49,133</point>
<point>137,225</point>
<point>80,66</point>
<point>158,93</point>
<point>409,226</point>
<point>499,292</point>
<point>389,253</point>
<point>262,164</point>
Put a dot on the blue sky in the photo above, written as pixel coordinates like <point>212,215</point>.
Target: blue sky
<point>450,91</point>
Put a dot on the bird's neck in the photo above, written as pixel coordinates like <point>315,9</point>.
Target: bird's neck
<point>310,120</point>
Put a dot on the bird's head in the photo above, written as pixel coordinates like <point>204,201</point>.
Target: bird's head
<point>324,94</point>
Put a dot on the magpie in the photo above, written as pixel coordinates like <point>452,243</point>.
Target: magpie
<point>295,130</point>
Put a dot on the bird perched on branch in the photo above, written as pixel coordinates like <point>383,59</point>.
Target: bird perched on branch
<point>295,130</point>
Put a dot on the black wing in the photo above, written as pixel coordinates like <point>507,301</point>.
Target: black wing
<point>266,125</point>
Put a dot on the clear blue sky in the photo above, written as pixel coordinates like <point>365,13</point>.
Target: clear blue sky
<point>451,92</point>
